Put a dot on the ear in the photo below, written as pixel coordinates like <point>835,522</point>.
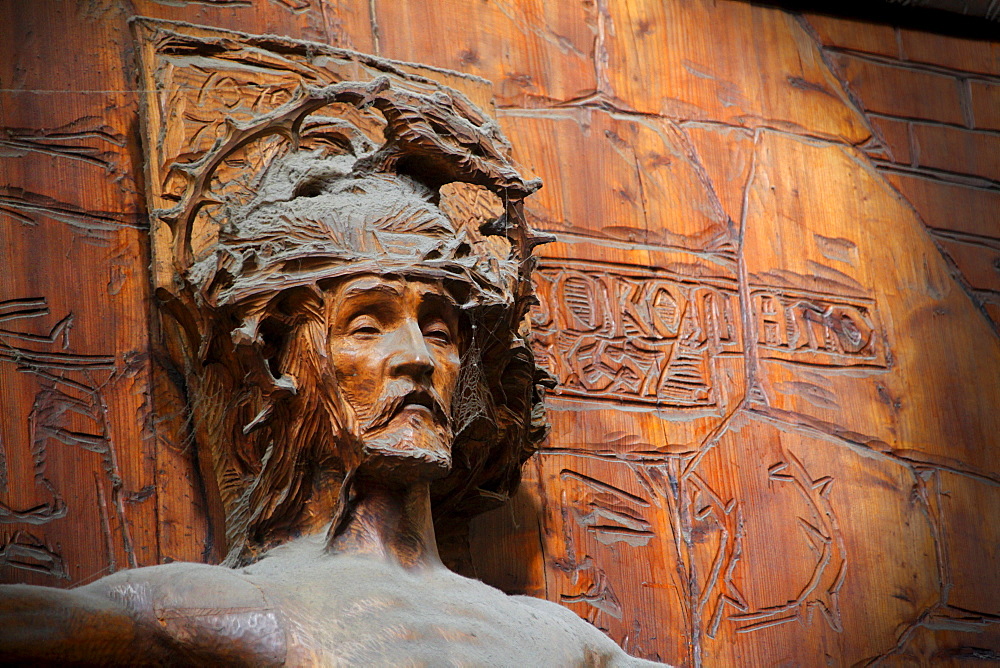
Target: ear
<point>288,317</point>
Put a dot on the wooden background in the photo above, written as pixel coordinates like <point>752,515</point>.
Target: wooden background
<point>773,309</point>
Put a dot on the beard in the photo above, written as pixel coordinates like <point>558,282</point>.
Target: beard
<point>402,436</point>
<point>385,436</point>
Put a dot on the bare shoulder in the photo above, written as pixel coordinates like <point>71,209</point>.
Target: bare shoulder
<point>538,631</point>
<point>209,615</point>
<point>179,585</point>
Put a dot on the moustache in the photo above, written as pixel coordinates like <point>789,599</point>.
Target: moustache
<point>396,398</point>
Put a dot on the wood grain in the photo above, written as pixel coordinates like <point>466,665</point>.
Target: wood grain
<point>767,214</point>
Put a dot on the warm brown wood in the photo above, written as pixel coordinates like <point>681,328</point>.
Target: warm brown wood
<point>344,269</point>
<point>238,263</point>
<point>791,221</point>
<point>75,358</point>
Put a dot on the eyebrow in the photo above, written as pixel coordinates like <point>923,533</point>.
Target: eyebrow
<point>440,301</point>
<point>363,290</point>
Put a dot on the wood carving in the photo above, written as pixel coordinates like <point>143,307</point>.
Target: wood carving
<point>772,310</point>
<point>629,335</point>
<point>347,272</point>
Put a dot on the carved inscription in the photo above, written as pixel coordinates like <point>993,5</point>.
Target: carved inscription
<point>614,518</point>
<point>4,475</point>
<point>818,528</point>
<point>94,227</point>
<point>218,3</point>
<point>296,6</point>
<point>708,536</point>
<point>637,335</point>
<point>819,329</point>
<point>86,139</point>
<point>624,335</point>
<point>27,552</point>
<point>611,516</point>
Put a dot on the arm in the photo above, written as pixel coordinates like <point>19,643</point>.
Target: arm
<point>176,614</point>
<point>46,626</point>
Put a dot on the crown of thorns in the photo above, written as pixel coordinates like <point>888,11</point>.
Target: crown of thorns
<point>434,139</point>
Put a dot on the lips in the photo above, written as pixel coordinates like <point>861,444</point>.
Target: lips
<point>420,400</point>
<point>417,400</point>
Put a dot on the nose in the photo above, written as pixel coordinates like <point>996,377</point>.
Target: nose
<point>411,356</point>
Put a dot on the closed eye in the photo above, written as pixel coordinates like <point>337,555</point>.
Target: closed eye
<point>364,326</point>
<point>439,333</point>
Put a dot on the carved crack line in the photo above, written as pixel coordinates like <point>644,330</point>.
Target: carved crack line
<point>544,512</point>
<point>670,490</point>
<point>373,22</point>
<point>750,335</point>
<point>974,131</point>
<point>847,95</point>
<point>873,162</point>
<point>904,637</point>
<point>694,159</point>
<point>932,511</point>
<point>599,103</point>
<point>953,269</point>
<point>209,3</point>
<point>912,65</point>
<point>102,507</point>
<point>601,55</point>
<point>938,174</point>
<point>546,34</point>
<point>968,238</point>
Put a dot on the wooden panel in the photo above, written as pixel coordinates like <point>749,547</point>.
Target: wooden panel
<point>900,91</point>
<point>953,52</point>
<point>956,150</point>
<point>649,171</point>
<point>896,138</point>
<point>930,145</point>
<point>790,601</point>
<point>951,206</point>
<point>553,60</point>
<point>985,98</point>
<point>977,259</point>
<point>855,35</point>
<point>842,380</point>
<point>656,65</point>
<point>74,365</point>
<point>774,441</point>
<point>914,309</point>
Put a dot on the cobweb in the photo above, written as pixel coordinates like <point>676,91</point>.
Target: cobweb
<point>471,401</point>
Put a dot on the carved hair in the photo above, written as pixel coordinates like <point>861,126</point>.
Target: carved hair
<point>438,199</point>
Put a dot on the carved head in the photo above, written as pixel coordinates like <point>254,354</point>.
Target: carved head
<point>361,294</point>
<point>360,311</point>
<point>393,353</point>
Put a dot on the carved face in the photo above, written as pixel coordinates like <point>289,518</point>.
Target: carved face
<point>393,347</point>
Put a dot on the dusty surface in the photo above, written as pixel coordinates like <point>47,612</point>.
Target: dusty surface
<point>373,612</point>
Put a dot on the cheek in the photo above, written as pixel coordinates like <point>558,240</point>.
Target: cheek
<point>446,376</point>
<point>352,369</point>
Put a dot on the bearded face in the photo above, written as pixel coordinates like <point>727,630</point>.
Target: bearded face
<point>393,356</point>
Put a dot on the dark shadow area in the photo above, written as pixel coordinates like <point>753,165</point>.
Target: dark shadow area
<point>944,17</point>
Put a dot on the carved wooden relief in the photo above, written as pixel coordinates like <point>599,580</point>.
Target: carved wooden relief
<point>212,156</point>
<point>771,307</point>
<point>72,334</point>
<point>345,270</point>
<point>733,328</point>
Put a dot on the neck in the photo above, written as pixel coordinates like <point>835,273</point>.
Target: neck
<point>388,522</point>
